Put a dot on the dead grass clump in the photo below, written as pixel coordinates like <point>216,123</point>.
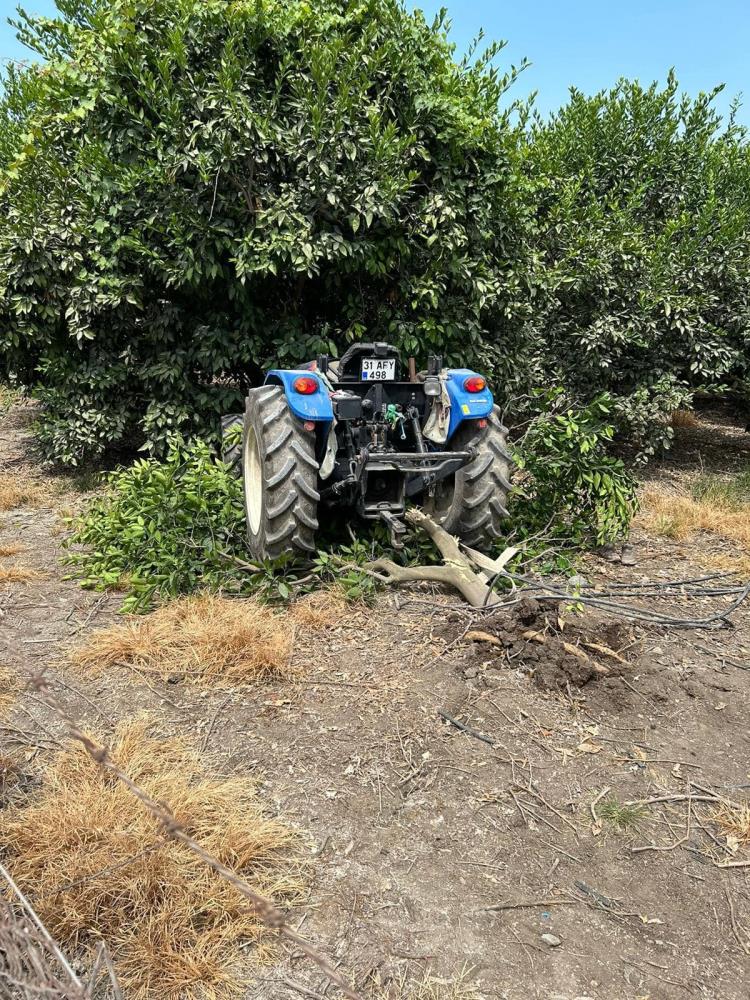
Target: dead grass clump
<point>97,866</point>
<point>684,418</point>
<point>739,564</point>
<point>676,516</point>
<point>734,823</point>
<point>319,610</point>
<point>11,775</point>
<point>205,637</point>
<point>9,687</point>
<point>17,574</point>
<point>10,550</point>
<point>15,492</point>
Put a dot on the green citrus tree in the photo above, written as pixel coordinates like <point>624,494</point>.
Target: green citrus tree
<point>193,189</point>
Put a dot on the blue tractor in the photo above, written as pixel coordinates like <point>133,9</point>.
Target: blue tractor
<point>367,434</point>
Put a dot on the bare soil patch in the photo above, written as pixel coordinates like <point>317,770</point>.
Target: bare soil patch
<point>579,850</point>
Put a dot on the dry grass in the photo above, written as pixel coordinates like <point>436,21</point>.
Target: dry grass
<point>205,637</point>
<point>10,775</point>
<point>10,550</point>
<point>321,609</point>
<point>9,687</point>
<point>17,574</point>
<point>724,563</point>
<point>429,988</point>
<point>678,516</point>
<point>16,491</point>
<point>734,823</point>
<point>97,866</point>
<point>684,418</point>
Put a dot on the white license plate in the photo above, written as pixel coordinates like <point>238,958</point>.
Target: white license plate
<point>378,369</point>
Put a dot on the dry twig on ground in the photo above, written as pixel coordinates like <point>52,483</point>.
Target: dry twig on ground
<point>17,574</point>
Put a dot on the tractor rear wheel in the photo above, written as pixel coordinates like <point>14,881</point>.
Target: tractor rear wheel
<point>280,477</point>
<point>471,503</point>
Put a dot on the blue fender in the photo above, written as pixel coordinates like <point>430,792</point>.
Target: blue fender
<point>315,406</point>
<point>465,405</point>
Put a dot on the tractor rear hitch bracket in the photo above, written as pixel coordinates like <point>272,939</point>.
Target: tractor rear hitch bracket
<point>396,527</point>
<point>426,467</point>
<point>426,461</point>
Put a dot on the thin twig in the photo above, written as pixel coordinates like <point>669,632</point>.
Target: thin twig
<point>677,843</point>
<point>299,988</point>
<point>596,801</point>
<point>88,701</point>
<point>532,904</point>
<point>212,723</point>
<point>49,940</point>
<point>130,666</point>
<point>742,942</point>
<point>538,795</point>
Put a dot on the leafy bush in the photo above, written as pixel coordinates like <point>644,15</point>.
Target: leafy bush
<point>191,189</point>
<point>160,528</point>
<point>572,489</point>
<point>642,237</point>
<point>168,527</point>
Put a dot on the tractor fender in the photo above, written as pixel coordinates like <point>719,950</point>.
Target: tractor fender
<point>465,405</point>
<point>314,406</point>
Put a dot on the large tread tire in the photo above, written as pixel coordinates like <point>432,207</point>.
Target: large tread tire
<point>280,477</point>
<point>476,508</point>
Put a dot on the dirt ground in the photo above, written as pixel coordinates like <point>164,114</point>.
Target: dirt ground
<point>435,849</point>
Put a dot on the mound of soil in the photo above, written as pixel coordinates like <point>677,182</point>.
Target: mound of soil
<point>556,655</point>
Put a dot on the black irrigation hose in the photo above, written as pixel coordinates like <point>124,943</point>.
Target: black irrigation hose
<point>717,592</point>
<point>595,600</point>
<point>532,588</point>
<point>676,583</point>
<point>643,614</point>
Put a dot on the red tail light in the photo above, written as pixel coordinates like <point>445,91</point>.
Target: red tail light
<point>475,383</point>
<point>305,385</point>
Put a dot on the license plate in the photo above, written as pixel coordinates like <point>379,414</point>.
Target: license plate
<point>378,369</point>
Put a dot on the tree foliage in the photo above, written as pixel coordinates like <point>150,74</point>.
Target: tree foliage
<point>642,237</point>
<point>571,488</point>
<point>201,187</point>
<point>191,190</point>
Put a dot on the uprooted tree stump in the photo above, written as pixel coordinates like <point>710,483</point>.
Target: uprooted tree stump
<point>467,570</point>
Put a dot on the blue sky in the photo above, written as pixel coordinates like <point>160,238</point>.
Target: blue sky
<point>586,43</point>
